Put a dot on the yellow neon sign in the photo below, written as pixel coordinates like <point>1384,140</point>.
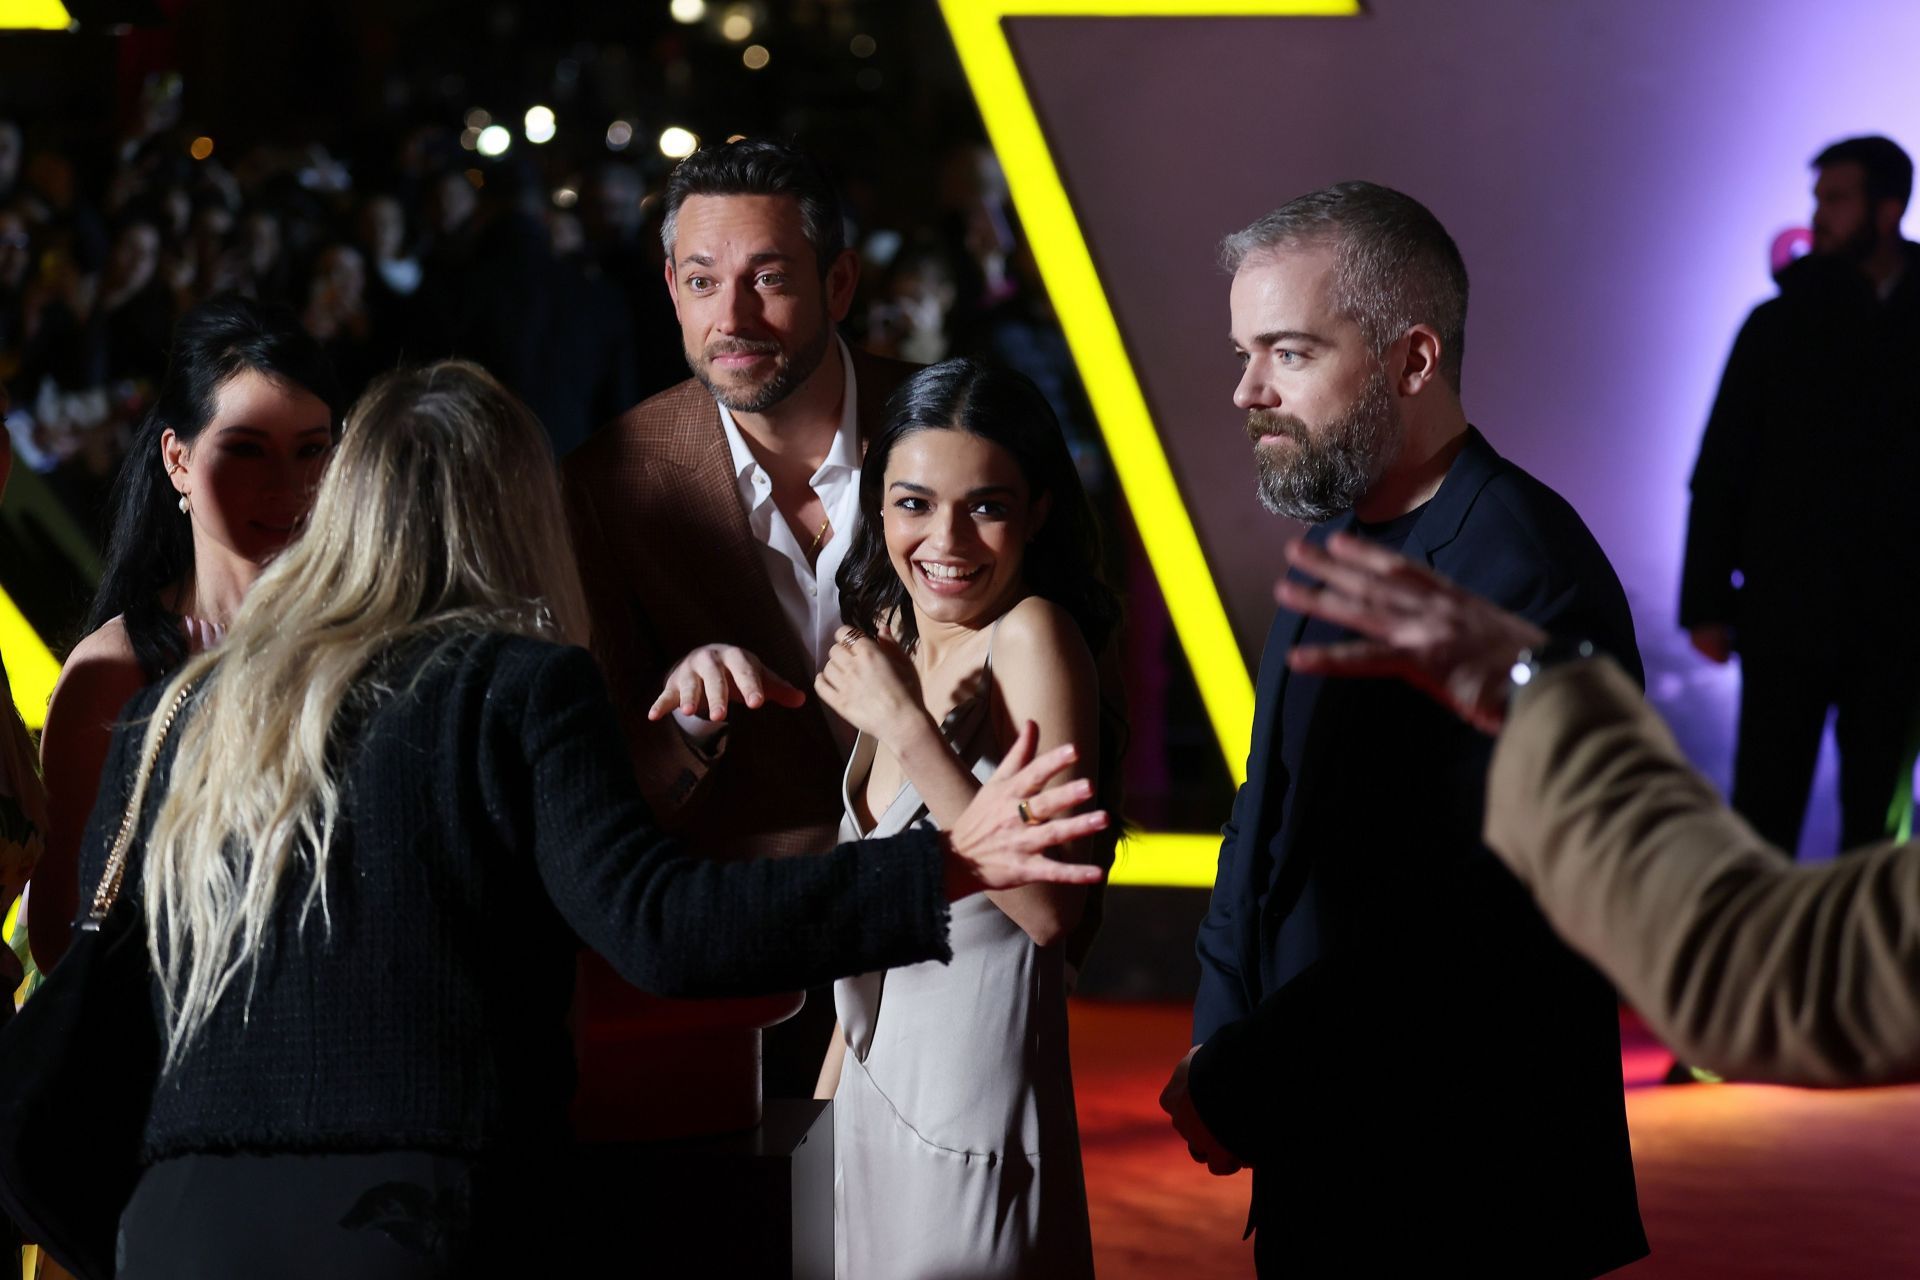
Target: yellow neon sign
<point>31,668</point>
<point>1139,460</point>
<point>34,15</point>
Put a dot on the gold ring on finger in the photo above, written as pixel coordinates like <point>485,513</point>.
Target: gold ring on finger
<point>1027,815</point>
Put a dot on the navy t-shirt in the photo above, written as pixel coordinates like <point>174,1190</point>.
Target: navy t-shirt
<point>1296,944</point>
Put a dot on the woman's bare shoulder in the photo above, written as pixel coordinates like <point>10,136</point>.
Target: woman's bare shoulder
<point>1040,623</point>
<point>98,677</point>
<point>1040,637</point>
<point>107,643</point>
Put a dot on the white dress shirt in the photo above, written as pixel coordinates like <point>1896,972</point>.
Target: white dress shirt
<point>808,593</point>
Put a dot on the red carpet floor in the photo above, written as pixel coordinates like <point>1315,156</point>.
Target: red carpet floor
<point>1736,1181</point>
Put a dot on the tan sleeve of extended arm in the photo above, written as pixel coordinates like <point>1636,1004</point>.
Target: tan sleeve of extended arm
<point>1740,960</point>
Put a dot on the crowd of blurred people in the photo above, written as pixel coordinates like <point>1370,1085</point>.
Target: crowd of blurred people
<point>552,281</point>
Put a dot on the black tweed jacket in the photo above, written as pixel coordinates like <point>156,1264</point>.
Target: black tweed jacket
<point>491,823</point>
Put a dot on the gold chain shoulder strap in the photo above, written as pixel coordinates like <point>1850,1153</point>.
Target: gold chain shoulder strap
<point>116,870</point>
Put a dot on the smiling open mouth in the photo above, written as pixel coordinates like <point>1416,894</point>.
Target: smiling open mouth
<point>946,574</point>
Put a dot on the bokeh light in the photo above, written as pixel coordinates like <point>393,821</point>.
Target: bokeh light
<point>677,143</point>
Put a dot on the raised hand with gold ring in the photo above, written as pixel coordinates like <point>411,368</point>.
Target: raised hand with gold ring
<point>989,848</point>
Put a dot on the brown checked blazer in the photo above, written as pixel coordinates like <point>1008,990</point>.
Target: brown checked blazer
<point>1742,960</point>
<point>669,563</point>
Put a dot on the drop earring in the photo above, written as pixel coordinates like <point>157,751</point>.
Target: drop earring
<point>185,506</point>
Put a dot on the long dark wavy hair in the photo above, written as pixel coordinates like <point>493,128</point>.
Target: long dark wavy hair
<point>150,547</point>
<point>1062,562</point>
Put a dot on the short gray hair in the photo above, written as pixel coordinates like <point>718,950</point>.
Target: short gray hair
<point>1395,266</point>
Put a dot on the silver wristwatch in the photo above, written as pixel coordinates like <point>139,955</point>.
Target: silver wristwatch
<point>1530,662</point>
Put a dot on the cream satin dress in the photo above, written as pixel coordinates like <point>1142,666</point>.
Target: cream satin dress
<point>956,1149</point>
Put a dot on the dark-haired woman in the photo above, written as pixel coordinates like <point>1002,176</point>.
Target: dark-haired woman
<point>974,604</point>
<point>218,479</point>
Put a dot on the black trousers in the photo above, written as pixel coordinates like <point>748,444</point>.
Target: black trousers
<point>390,1215</point>
<point>1786,690</point>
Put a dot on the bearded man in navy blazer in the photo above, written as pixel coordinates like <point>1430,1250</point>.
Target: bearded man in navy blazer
<point>1418,1073</point>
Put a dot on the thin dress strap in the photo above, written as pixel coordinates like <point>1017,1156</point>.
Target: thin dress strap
<point>986,668</point>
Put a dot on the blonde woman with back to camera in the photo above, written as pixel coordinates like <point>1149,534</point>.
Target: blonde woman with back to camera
<point>397,760</point>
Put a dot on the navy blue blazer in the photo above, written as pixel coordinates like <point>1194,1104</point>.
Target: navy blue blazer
<point>1388,1021</point>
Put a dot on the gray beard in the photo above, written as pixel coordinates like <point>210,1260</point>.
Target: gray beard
<point>1327,472</point>
<point>787,375</point>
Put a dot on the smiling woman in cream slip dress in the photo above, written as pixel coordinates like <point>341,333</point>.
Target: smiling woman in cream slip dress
<point>974,603</point>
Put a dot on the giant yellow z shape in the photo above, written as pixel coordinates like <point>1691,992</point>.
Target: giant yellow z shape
<point>1139,460</point>
<point>34,15</point>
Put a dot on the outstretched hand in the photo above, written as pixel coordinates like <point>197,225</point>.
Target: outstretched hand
<point>714,677</point>
<point>1000,841</point>
<point>1413,624</point>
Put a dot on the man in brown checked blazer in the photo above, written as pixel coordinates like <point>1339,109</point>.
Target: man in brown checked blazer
<point>710,519</point>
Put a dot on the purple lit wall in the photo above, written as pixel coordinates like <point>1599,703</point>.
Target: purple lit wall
<point>1615,173</point>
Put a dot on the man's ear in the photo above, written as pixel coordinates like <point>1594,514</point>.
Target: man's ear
<point>673,284</point>
<point>843,277</point>
<point>1419,367</point>
<point>1886,217</point>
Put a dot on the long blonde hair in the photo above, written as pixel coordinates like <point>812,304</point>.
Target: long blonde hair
<point>439,516</point>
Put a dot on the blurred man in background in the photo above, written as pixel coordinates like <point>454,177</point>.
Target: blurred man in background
<point>1803,537</point>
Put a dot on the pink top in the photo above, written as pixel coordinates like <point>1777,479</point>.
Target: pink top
<point>202,635</point>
